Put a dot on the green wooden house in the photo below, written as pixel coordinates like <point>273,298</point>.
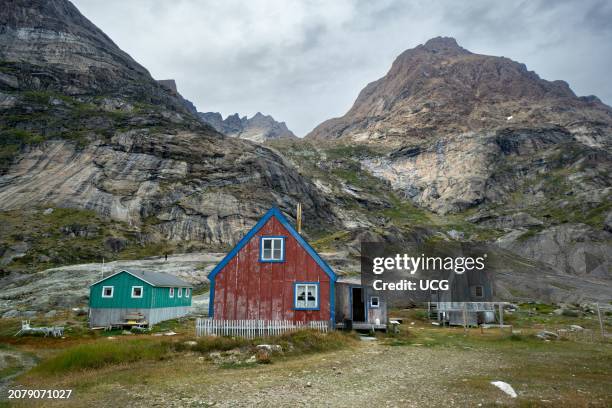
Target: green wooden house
<point>143,298</point>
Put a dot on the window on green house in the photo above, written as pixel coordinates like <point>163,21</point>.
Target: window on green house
<point>171,292</point>
<point>180,292</point>
<point>107,291</point>
<point>187,292</point>
<point>136,291</point>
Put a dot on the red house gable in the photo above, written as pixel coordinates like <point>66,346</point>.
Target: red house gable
<point>295,285</point>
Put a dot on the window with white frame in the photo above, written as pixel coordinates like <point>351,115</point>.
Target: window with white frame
<point>171,292</point>
<point>374,302</point>
<point>136,291</point>
<point>272,249</point>
<point>107,291</point>
<point>180,292</point>
<point>306,296</point>
<point>187,292</point>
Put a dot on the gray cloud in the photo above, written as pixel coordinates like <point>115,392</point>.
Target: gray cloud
<point>305,61</point>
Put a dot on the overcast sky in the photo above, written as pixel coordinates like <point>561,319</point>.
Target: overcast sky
<point>306,61</point>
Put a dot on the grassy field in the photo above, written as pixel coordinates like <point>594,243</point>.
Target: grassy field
<point>423,365</point>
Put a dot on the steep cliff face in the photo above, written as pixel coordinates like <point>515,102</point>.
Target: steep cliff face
<point>84,126</point>
<point>51,45</point>
<point>260,128</point>
<point>186,186</point>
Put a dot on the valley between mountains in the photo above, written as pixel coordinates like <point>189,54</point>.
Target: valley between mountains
<point>99,161</point>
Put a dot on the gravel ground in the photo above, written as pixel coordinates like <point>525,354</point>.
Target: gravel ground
<point>371,375</point>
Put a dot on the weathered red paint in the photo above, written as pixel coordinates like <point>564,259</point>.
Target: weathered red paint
<point>248,289</point>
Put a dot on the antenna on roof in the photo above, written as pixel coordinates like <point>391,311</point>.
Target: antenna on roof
<point>102,267</point>
<point>298,218</point>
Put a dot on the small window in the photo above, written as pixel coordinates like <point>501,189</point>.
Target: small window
<point>272,249</point>
<point>136,291</point>
<point>171,292</point>
<point>107,291</point>
<point>478,291</point>
<point>374,302</point>
<point>180,292</point>
<point>187,292</point>
<point>306,296</point>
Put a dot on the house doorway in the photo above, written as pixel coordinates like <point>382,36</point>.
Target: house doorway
<point>357,304</point>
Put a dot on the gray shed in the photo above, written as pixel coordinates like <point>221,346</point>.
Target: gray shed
<point>359,305</point>
<point>470,293</point>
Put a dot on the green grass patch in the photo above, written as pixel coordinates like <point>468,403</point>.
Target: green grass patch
<point>218,343</point>
<point>101,354</point>
<point>538,307</point>
<point>331,241</point>
<point>312,341</point>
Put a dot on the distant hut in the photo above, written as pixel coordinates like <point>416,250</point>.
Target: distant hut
<point>470,293</point>
<point>129,298</point>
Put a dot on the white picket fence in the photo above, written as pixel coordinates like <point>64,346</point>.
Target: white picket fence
<point>254,328</point>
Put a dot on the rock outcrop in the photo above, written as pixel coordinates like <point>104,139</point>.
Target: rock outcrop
<point>260,128</point>
<point>461,129</point>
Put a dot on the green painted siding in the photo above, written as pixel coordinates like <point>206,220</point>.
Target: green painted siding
<point>153,297</point>
<point>161,298</point>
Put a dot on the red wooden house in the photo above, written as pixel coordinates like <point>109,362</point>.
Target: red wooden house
<point>272,274</point>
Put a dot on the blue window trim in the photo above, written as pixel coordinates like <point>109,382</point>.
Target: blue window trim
<point>276,213</point>
<point>261,238</point>
<point>318,285</point>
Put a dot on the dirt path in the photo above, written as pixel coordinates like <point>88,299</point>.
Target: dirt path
<point>371,375</point>
<point>12,363</point>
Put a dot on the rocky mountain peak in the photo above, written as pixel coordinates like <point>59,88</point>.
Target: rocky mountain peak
<point>444,45</point>
<point>440,88</point>
<point>259,128</point>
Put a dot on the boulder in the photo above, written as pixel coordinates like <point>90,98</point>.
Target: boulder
<point>547,335</point>
<point>263,356</point>
<point>274,348</point>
